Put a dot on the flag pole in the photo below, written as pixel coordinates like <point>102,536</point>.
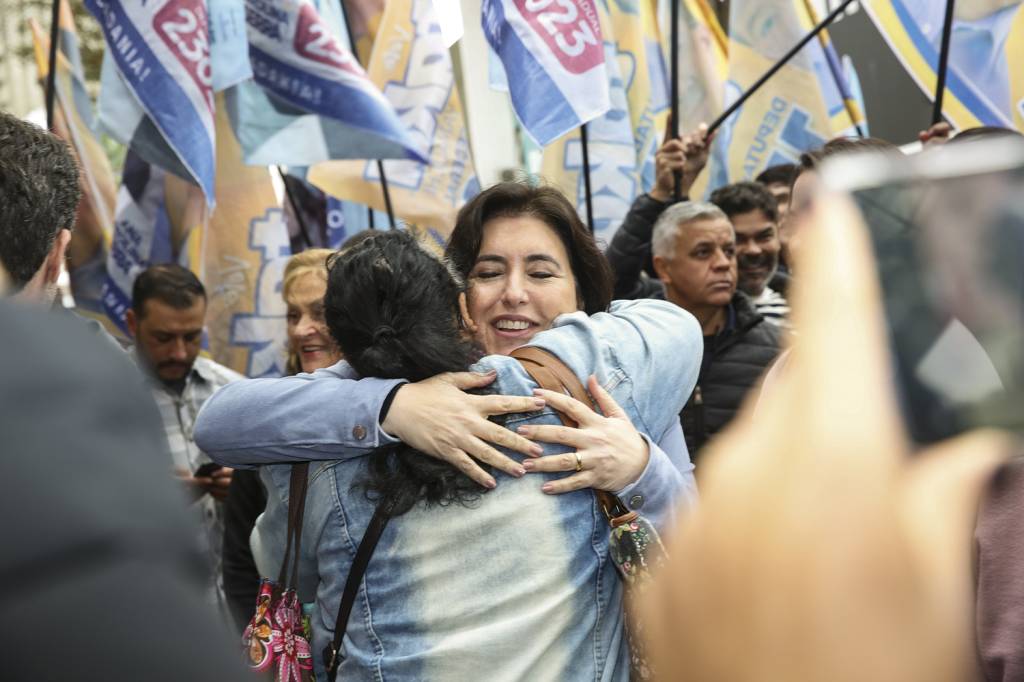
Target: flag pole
<point>677,175</point>
<point>940,85</point>
<point>51,72</point>
<point>380,164</point>
<point>588,195</point>
<point>778,65</point>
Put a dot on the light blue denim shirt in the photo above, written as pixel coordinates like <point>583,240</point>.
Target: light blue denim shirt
<point>519,584</point>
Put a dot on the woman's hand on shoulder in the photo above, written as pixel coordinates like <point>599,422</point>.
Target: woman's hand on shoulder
<point>610,453</point>
<point>438,418</point>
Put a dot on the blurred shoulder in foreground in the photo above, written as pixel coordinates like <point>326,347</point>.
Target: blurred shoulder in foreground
<point>100,574</point>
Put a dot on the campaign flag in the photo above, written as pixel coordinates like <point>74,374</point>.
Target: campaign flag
<point>413,68</point>
<point>161,49</point>
<point>142,234</point>
<point>240,252</point>
<point>229,43</point>
<point>554,60</point>
<point>270,131</point>
<point>622,141</point>
<point>836,74</point>
<point>75,121</point>
<point>985,79</point>
<point>800,108</point>
<point>298,61</point>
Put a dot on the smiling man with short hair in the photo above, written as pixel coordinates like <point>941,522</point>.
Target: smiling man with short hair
<point>754,214</point>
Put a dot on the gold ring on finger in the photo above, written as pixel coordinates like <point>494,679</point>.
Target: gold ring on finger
<point>579,462</point>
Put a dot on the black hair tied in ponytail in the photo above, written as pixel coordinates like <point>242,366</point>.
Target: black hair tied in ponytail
<point>393,309</point>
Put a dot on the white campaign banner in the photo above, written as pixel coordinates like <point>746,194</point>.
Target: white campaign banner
<point>553,55</point>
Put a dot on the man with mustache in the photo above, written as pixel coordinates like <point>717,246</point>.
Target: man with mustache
<point>753,212</point>
<point>166,321</point>
<point>694,249</point>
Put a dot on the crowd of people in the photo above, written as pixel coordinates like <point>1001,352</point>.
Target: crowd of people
<point>493,502</point>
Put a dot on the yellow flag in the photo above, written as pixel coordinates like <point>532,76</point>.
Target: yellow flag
<point>789,114</point>
<point>239,253</point>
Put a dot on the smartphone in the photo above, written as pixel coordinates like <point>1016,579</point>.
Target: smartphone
<point>207,469</point>
<point>947,229</point>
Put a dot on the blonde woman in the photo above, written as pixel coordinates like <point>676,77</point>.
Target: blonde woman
<point>310,347</point>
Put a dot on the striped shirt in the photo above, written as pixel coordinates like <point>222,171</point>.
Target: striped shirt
<point>179,415</point>
<point>773,307</point>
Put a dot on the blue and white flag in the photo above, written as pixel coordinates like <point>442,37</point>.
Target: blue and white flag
<point>298,60</point>
<point>142,234</point>
<point>229,43</point>
<point>554,60</point>
<point>162,52</point>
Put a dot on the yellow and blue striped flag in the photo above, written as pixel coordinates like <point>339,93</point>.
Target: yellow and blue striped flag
<point>799,108</point>
<point>985,80</point>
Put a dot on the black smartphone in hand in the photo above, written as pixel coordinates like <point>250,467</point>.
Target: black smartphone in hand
<point>207,469</point>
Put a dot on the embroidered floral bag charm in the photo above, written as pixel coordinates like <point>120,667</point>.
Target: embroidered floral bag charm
<point>276,640</point>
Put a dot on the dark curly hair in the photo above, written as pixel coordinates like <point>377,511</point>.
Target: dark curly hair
<point>39,195</point>
<point>779,174</point>
<point>393,309</point>
<point>512,199</point>
<point>744,197</point>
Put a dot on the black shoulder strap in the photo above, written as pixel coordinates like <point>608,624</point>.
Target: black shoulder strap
<point>297,487</point>
<point>355,576</point>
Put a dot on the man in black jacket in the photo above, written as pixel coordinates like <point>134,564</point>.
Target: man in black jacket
<point>694,249</point>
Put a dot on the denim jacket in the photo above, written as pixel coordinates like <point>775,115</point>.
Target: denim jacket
<point>516,585</point>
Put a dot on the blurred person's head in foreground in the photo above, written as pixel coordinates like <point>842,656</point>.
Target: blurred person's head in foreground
<point>694,250</point>
<point>84,445</point>
<point>39,195</point>
<point>310,346</point>
<point>822,550</point>
<point>779,181</point>
<point>166,320</point>
<point>985,133</point>
<point>807,181</point>
<point>526,258</point>
<point>753,212</point>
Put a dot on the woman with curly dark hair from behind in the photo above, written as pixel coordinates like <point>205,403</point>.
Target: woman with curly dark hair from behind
<point>512,580</point>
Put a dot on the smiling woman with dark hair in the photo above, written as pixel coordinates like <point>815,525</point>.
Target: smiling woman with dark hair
<point>398,313</point>
<point>514,580</point>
